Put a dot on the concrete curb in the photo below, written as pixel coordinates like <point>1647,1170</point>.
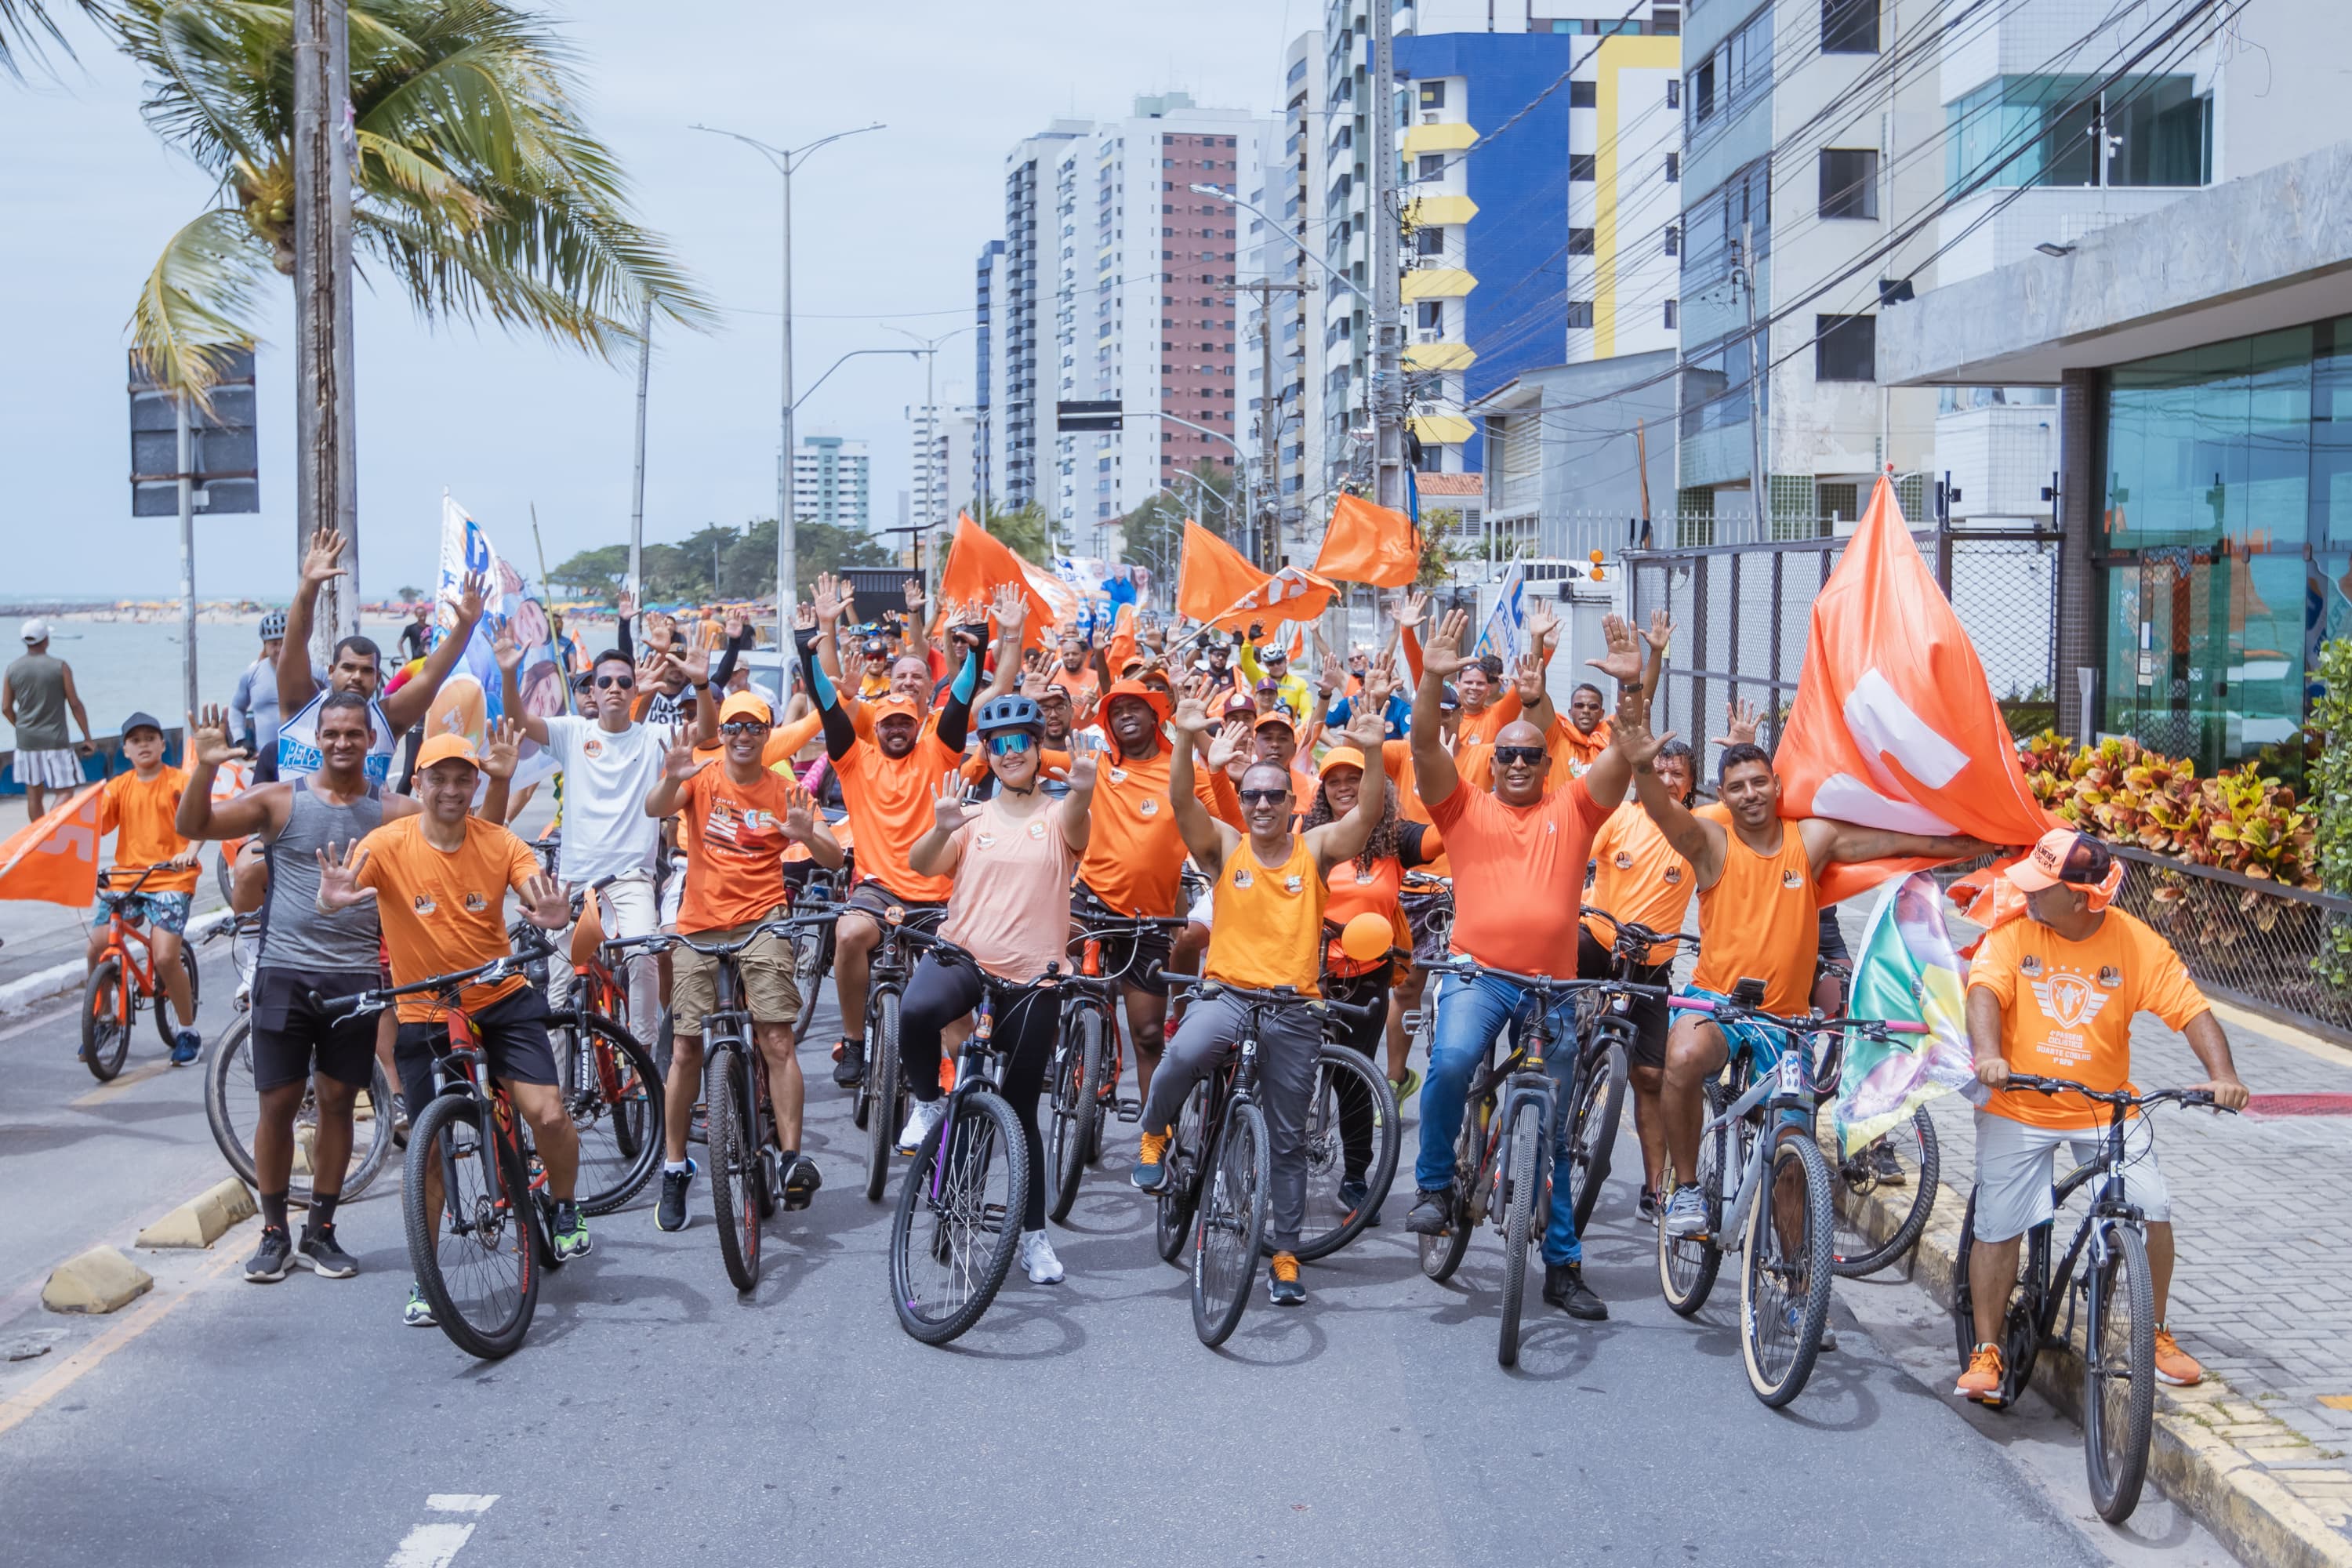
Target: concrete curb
<point>203,1219</point>
<point>2201,1453</point>
<point>27,992</point>
<point>102,1279</point>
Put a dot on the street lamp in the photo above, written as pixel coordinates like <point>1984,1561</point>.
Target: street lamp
<point>1221,193</point>
<point>785,161</point>
<point>1241,458</point>
<point>930,352</point>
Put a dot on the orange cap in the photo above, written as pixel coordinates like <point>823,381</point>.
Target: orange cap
<point>747,705</point>
<point>890,707</point>
<point>1281,716</point>
<point>1340,757</point>
<point>443,747</point>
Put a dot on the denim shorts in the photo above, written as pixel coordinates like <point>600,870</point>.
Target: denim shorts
<point>164,912</point>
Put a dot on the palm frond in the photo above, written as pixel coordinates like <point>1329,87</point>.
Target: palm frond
<point>26,24</point>
<point>200,301</point>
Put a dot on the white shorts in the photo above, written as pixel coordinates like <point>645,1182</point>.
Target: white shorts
<point>628,906</point>
<point>2015,1169</point>
<point>1203,909</point>
<point>673,890</point>
<point>49,770</point>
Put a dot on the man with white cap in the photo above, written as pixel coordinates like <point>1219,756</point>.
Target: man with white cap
<point>36,695</point>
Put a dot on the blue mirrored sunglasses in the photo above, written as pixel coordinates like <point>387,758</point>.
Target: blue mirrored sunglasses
<point>1010,744</point>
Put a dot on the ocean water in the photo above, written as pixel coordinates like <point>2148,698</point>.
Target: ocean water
<point>121,667</point>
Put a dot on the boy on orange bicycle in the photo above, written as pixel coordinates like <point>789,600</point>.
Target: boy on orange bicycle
<point>137,807</point>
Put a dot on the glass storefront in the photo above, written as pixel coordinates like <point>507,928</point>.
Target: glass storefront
<point>2228,538</point>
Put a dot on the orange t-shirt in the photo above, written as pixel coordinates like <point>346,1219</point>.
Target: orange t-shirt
<point>1581,750</point>
<point>2072,1018</point>
<point>1266,924</point>
<point>1135,854</point>
<point>1640,877</point>
<point>1519,874</point>
<point>1081,683</point>
<point>734,869</point>
<point>444,911</point>
<point>889,803</point>
<point>785,741</point>
<point>142,810</point>
<point>1762,919</point>
<point>1480,729</point>
<point>1396,756</point>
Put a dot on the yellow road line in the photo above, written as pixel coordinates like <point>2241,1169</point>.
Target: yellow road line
<point>18,1409</point>
<point>109,1091</point>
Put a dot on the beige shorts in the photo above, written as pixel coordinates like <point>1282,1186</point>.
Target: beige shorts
<point>770,991</point>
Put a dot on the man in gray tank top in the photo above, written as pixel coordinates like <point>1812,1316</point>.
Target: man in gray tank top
<point>36,695</point>
<point>304,954</point>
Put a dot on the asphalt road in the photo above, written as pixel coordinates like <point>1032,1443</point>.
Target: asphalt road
<point>655,1416</point>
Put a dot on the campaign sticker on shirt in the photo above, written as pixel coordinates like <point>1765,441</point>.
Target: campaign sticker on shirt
<point>1624,862</point>
<point>1363,878</point>
<point>1792,882</point>
<point>475,903</point>
<point>424,904</point>
<point>1551,828</point>
<point>1036,830</point>
<point>984,840</point>
<point>1244,879</point>
<point>1292,884</point>
<point>2110,977</point>
<point>1673,874</point>
<point>591,747</point>
<point>1119,775</point>
<point>1151,806</point>
<point>2029,965</point>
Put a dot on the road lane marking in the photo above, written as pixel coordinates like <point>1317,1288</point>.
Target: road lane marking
<point>18,1409</point>
<point>434,1544</point>
<point>106,1092</point>
<point>460,1502</point>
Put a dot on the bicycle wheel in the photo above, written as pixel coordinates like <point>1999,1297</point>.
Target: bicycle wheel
<point>1077,1109</point>
<point>614,1094</point>
<point>1905,1162</point>
<point>734,1181</point>
<point>1441,1255</point>
<point>1525,1144</point>
<point>473,1256</point>
<point>232,1110</point>
<point>887,1109</point>
<point>105,1026</point>
<point>1592,1129</point>
<point>1236,1193</point>
<point>1784,1277</point>
<point>1172,1221</point>
<point>1347,1088</point>
<point>1687,1264</point>
<point>2118,1372</point>
<point>167,1024</point>
<point>958,1219</point>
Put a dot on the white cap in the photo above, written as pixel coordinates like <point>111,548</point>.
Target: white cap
<point>36,631</point>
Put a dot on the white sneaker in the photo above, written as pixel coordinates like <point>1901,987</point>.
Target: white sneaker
<point>1037,1257</point>
<point>920,1120</point>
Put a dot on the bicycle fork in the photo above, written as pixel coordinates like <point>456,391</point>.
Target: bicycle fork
<point>973,1046</point>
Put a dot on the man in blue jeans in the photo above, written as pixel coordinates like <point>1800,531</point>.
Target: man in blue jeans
<point>1518,858</point>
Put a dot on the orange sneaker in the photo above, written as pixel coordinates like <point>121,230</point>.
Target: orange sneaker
<point>1983,1380</point>
<point>1149,1173</point>
<point>2173,1364</point>
<point>1282,1285</point>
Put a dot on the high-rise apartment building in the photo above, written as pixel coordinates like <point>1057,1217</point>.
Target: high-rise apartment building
<point>1026,284</point>
<point>831,483</point>
<point>988,375</point>
<point>1290,195</point>
<point>943,464</point>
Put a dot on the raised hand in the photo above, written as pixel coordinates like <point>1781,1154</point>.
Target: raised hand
<point>502,748</point>
<point>1231,741</point>
<point>1365,728</point>
<point>1659,632</point>
<point>1409,608</point>
<point>735,627</point>
<point>1012,612</point>
<point>804,618</point>
<point>1380,683</point>
<point>1543,628</point>
<point>208,738</point>
<point>800,813</point>
<point>1445,653</point>
<point>324,561</point>
<point>545,902</point>
<point>1740,723</point>
<point>1623,663</point>
<point>470,594</point>
<point>948,811</point>
<point>660,630</point>
<point>1192,713</point>
<point>913,589</point>
<point>1631,733</point>
<point>506,650</point>
<point>628,605</point>
<point>696,666</point>
<point>339,878</point>
<point>678,763</point>
<point>1528,678</point>
<point>1080,773</point>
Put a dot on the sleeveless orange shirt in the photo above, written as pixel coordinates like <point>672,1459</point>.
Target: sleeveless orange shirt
<point>1762,919</point>
<point>1357,891</point>
<point>1266,924</point>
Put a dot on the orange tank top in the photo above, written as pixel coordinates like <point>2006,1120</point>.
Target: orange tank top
<point>1357,891</point>
<point>1762,919</point>
<point>1266,922</point>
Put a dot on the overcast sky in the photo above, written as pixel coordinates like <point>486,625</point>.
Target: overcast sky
<point>886,227</point>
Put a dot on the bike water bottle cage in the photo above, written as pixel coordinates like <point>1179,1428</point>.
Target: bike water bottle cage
<point>1749,992</point>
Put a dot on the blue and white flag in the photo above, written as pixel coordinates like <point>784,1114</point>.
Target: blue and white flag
<point>1505,632</point>
<point>471,698</point>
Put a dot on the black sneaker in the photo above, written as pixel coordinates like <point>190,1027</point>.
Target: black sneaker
<point>320,1253</point>
<point>848,1063</point>
<point>802,1179</point>
<point>570,1228</point>
<point>1353,1195</point>
<point>670,1214</point>
<point>1564,1288</point>
<point>269,1263</point>
<point>1885,1166</point>
<point>1282,1285</point>
<point>1645,1208</point>
<point>1433,1212</point>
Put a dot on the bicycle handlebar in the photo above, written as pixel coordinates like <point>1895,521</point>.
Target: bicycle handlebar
<point>663,941</point>
<point>503,967</point>
<point>2126,1097</point>
<point>1275,996</point>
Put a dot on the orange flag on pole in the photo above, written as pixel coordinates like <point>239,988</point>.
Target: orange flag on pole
<point>55,860</point>
<point>1210,574</point>
<point>979,563</point>
<point>1122,646</point>
<point>1894,725</point>
<point>1365,543</point>
<point>1292,593</point>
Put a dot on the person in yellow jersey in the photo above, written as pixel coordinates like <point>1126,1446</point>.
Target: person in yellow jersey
<point>1758,917</point>
<point>1268,890</point>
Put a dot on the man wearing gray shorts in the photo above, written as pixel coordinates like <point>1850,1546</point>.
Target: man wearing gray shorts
<point>36,695</point>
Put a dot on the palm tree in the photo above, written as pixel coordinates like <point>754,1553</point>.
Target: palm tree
<point>474,183</point>
<point>25,23</point>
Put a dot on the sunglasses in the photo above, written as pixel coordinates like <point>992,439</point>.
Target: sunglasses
<point>1011,745</point>
<point>623,682</point>
<point>742,727</point>
<point>1264,797</point>
<point>1530,756</point>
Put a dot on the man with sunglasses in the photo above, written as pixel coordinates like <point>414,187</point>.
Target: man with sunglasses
<point>1518,857</point>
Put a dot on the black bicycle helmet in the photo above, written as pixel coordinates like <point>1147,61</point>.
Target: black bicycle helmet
<point>1010,711</point>
<point>273,625</point>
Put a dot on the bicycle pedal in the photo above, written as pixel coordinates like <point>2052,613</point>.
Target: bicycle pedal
<point>1130,1109</point>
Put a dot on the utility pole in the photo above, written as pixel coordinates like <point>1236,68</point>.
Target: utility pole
<point>1743,272</point>
<point>1388,348</point>
<point>326,443</point>
<point>1269,428</point>
<point>185,467</point>
<point>637,500</point>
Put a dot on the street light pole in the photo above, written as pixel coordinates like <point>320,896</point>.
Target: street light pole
<point>785,161</point>
<point>930,352</point>
<point>1388,374</point>
<point>637,502</point>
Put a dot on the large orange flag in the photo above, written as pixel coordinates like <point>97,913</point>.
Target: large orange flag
<point>1210,574</point>
<point>1894,725</point>
<point>979,563</point>
<point>1368,543</point>
<point>1292,593</point>
<point>55,860</point>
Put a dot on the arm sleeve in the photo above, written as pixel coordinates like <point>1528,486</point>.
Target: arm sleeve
<point>735,647</point>
<point>628,649</point>
<point>1411,641</point>
<point>840,734</point>
<point>955,719</point>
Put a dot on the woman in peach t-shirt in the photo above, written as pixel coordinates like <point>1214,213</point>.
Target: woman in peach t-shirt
<point>1012,858</point>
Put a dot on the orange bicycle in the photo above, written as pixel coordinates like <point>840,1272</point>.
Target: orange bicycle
<point>124,981</point>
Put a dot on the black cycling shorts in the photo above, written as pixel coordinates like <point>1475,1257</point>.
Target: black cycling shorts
<point>292,1036</point>
<point>1649,1015</point>
<point>1137,958</point>
<point>513,1033</point>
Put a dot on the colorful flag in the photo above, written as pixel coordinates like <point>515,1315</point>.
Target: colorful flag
<point>1292,593</point>
<point>1908,971</point>
<point>473,695</point>
<point>1210,574</point>
<point>1505,634</point>
<point>55,860</point>
<point>1368,543</point>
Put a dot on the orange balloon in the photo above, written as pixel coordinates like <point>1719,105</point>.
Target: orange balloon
<point>1365,938</point>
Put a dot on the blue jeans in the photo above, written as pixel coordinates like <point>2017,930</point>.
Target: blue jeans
<point>1470,1014</point>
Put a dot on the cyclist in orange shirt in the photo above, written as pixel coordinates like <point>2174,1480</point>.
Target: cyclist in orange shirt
<point>2053,993</point>
<point>141,808</point>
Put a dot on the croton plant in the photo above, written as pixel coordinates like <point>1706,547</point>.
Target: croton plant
<point>2239,820</point>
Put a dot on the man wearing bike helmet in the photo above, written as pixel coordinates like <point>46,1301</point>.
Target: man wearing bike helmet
<point>1268,891</point>
<point>1011,860</point>
<point>253,708</point>
<point>2052,993</point>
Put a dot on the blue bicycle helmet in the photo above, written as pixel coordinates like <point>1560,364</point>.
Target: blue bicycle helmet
<point>273,625</point>
<point>1010,711</point>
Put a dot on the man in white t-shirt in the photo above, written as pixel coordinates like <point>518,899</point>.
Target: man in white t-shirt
<point>610,765</point>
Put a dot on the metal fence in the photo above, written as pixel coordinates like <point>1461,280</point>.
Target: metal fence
<point>2278,949</point>
<point>1744,612</point>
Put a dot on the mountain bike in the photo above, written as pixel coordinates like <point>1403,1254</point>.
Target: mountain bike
<point>1089,1058</point>
<point>2115,1291</point>
<point>881,1105</point>
<point>126,981</point>
<point>1220,1162</point>
<point>1510,1121</point>
<point>1353,1134</point>
<point>1428,904</point>
<point>960,1207</point>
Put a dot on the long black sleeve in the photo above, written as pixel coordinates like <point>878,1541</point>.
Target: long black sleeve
<point>628,649</point>
<point>955,718</point>
<point>840,734</point>
<point>726,670</point>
